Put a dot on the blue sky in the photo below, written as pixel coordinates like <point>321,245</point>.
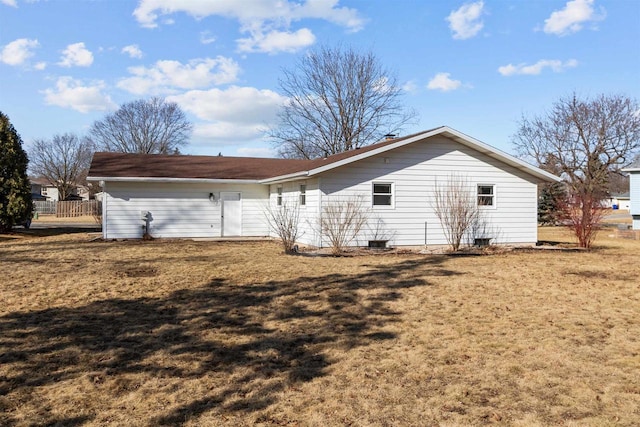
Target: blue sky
<point>474,66</point>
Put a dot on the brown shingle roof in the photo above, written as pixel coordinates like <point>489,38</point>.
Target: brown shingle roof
<point>125,165</point>
<point>130,166</point>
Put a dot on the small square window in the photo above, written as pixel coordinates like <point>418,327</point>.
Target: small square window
<point>382,195</point>
<point>303,194</point>
<point>486,195</point>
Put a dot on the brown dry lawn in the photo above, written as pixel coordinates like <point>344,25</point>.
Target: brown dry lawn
<point>211,333</point>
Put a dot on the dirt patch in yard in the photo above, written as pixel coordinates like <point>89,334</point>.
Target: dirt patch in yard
<point>222,333</point>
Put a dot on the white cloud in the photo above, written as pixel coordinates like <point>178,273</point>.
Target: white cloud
<point>168,76</point>
<point>466,21</point>
<point>236,104</point>
<point>11,3</point>
<point>555,65</point>
<point>266,22</point>
<point>76,55</point>
<point>443,82</point>
<point>277,41</point>
<point>18,51</point>
<point>206,37</point>
<point>571,19</point>
<point>410,86</point>
<point>234,114</point>
<point>133,50</point>
<point>40,66</point>
<point>71,93</point>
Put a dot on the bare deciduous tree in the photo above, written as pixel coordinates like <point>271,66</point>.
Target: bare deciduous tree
<point>284,221</point>
<point>338,99</point>
<point>151,126</point>
<point>342,220</point>
<point>454,203</point>
<point>583,141</point>
<point>63,161</point>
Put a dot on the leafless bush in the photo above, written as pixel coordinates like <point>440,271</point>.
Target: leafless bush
<point>342,220</point>
<point>284,220</point>
<point>454,203</point>
<point>583,214</point>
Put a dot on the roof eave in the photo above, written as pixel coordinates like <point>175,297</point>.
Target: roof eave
<point>284,178</point>
<point>370,153</point>
<point>172,180</point>
<point>458,137</point>
<point>499,155</point>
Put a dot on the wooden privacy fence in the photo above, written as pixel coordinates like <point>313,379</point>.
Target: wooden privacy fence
<point>78,208</point>
<point>69,209</point>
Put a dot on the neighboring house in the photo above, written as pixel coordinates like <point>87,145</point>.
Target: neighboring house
<point>49,192</point>
<point>36,191</point>
<point>619,201</point>
<point>634,192</point>
<point>202,196</point>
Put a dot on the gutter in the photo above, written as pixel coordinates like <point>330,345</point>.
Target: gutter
<point>173,180</point>
<point>284,178</point>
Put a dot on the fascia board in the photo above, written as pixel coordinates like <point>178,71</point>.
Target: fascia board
<point>500,155</point>
<point>173,180</point>
<point>374,152</point>
<point>284,178</point>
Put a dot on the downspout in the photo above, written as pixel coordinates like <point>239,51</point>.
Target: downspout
<point>105,196</point>
<point>319,226</point>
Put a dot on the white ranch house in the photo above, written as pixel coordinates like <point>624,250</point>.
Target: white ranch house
<point>206,196</point>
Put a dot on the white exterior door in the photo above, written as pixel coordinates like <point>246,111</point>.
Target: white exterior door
<point>231,214</point>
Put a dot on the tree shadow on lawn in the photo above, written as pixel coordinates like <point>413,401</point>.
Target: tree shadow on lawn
<point>256,339</point>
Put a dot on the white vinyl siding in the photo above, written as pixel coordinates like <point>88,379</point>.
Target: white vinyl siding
<point>308,220</point>
<point>178,210</point>
<point>634,205</point>
<point>634,193</point>
<point>414,170</point>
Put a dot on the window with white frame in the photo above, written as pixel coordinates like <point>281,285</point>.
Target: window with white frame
<point>303,194</point>
<point>382,194</point>
<point>486,195</point>
<point>279,196</point>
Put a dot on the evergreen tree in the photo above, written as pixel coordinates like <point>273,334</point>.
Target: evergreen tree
<point>552,199</point>
<point>15,189</point>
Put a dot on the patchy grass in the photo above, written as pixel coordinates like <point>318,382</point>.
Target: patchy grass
<point>210,333</point>
<point>44,218</point>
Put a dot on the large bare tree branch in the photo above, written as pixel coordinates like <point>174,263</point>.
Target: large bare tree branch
<point>585,141</point>
<point>338,100</point>
<point>151,126</point>
<point>63,161</point>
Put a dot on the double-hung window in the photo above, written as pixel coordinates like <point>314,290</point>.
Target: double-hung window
<point>279,196</point>
<point>382,194</point>
<point>486,195</point>
<point>303,194</point>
